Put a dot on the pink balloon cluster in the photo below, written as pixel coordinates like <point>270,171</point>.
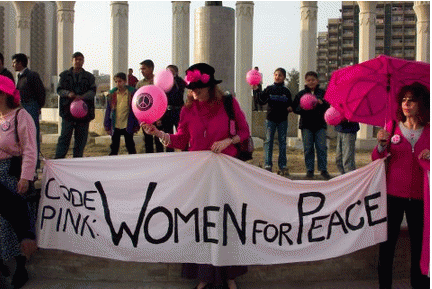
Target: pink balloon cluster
<point>308,101</point>
<point>333,117</point>
<point>164,79</point>
<point>78,108</point>
<point>149,104</point>
<point>253,77</point>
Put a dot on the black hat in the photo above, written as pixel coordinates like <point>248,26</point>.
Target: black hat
<point>200,75</point>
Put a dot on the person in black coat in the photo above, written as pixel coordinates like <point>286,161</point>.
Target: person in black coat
<point>313,127</point>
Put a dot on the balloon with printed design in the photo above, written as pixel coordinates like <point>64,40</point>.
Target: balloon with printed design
<point>333,117</point>
<point>308,101</point>
<point>253,77</point>
<point>149,104</point>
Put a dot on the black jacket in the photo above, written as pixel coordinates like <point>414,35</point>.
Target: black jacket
<point>279,99</point>
<point>311,119</point>
<point>31,87</point>
<point>81,84</point>
<point>8,74</point>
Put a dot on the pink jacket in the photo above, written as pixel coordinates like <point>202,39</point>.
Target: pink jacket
<point>203,124</point>
<point>27,137</point>
<point>404,173</point>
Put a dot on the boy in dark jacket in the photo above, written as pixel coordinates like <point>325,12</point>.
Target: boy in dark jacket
<point>119,118</point>
<point>279,101</point>
<point>313,127</point>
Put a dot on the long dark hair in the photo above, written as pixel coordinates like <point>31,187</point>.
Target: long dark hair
<point>421,95</point>
<point>10,102</point>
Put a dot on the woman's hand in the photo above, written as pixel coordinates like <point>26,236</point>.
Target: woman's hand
<point>28,247</point>
<point>23,186</point>
<point>149,128</point>
<point>290,109</point>
<point>254,87</point>
<point>219,146</point>
<point>424,155</point>
<point>383,137</point>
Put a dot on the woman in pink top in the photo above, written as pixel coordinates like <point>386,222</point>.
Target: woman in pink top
<point>204,126</point>
<point>17,138</point>
<point>408,143</point>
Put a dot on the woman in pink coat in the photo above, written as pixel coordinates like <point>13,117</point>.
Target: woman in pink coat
<point>408,143</point>
<point>204,126</point>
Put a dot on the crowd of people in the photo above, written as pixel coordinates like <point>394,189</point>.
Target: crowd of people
<point>194,124</point>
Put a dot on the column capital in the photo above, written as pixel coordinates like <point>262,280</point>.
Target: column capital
<point>367,6</point>
<point>24,8</point>
<point>422,10</point>
<point>119,9</point>
<point>180,7</point>
<point>245,8</point>
<point>308,10</point>
<point>65,5</point>
<point>308,4</point>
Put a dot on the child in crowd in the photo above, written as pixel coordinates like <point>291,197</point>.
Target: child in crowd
<point>119,118</point>
<point>345,146</point>
<point>278,98</point>
<point>313,127</point>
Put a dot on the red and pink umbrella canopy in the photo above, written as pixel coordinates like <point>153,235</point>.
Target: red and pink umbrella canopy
<point>367,92</point>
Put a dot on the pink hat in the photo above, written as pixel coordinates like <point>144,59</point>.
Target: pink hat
<point>7,86</point>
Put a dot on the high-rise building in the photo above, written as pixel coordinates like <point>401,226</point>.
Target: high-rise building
<point>395,36</point>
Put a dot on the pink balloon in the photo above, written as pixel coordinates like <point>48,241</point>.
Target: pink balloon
<point>308,101</point>
<point>164,79</point>
<point>333,117</point>
<point>78,108</point>
<point>253,77</point>
<point>149,103</point>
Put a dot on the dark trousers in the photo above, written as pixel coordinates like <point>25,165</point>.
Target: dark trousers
<point>170,119</point>
<point>148,143</point>
<point>115,141</point>
<point>81,134</point>
<point>396,207</point>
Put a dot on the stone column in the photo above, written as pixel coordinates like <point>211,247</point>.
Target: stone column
<point>367,36</point>
<point>244,54</point>
<point>65,42</point>
<point>308,38</point>
<point>215,40</point>
<point>65,34</point>
<point>180,35</point>
<point>23,20</point>
<point>119,36</point>
<point>422,10</point>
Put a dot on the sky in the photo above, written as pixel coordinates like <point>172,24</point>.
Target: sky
<point>276,39</point>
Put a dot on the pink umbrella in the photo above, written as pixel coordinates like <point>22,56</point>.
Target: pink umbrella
<point>366,92</point>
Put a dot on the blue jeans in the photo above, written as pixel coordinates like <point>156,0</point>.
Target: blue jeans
<point>271,128</point>
<point>315,139</point>
<point>345,152</point>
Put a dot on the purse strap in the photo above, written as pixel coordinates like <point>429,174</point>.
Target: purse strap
<point>16,126</point>
<point>228,105</point>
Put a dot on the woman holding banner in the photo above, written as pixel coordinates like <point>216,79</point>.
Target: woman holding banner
<point>204,125</point>
<point>407,143</point>
<point>17,139</point>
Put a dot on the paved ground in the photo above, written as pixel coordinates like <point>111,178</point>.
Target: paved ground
<point>68,284</point>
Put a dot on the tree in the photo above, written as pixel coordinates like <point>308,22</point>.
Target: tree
<point>292,81</point>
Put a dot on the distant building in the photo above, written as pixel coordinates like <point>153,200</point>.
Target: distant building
<point>395,36</point>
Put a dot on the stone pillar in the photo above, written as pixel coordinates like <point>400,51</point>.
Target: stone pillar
<point>119,36</point>
<point>65,34</point>
<point>308,39</point>
<point>65,39</point>
<point>244,54</point>
<point>23,20</point>
<point>214,41</point>
<point>367,36</point>
<point>180,35</point>
<point>422,10</point>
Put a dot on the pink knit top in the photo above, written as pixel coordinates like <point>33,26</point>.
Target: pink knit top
<point>27,136</point>
<point>204,123</point>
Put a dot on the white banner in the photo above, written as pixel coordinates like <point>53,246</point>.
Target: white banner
<point>201,207</point>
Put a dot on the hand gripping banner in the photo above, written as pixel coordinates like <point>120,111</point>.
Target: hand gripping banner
<point>208,208</point>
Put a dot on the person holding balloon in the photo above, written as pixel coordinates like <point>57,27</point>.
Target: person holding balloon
<point>77,90</point>
<point>309,103</point>
<point>147,68</point>
<point>204,125</point>
<point>279,101</point>
<point>119,119</point>
<point>407,145</point>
